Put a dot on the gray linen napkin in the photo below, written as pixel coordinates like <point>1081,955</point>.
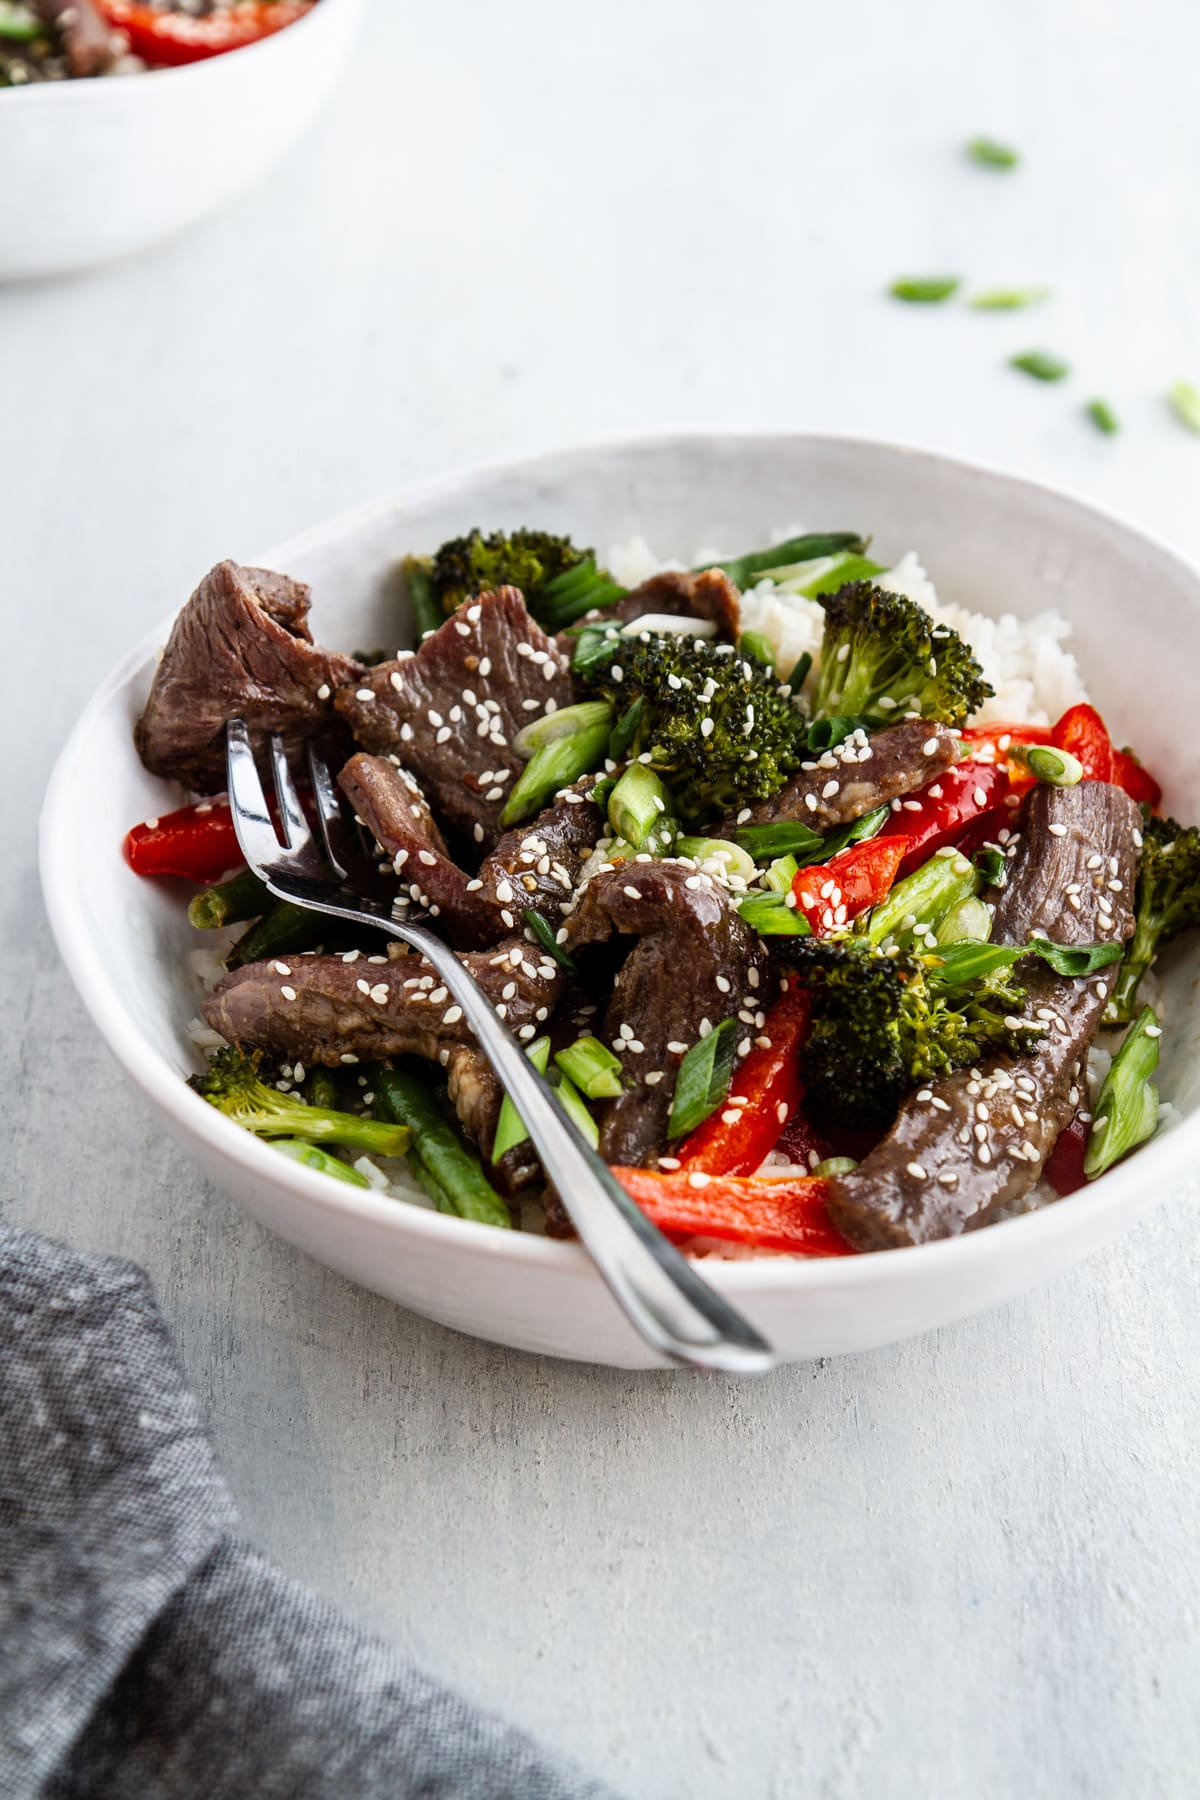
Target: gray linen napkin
<point>145,1651</point>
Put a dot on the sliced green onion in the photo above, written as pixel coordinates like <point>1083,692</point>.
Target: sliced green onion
<point>857,832</point>
<point>779,875</point>
<point>543,931</point>
<point>745,570</point>
<point>1075,959</point>
<point>594,644</point>
<point>925,289</point>
<point>1185,404</point>
<point>824,575</point>
<point>20,24</point>
<point>580,589</point>
<point>799,674</point>
<point>703,1080</point>
<point>1057,768</point>
<point>835,1165</point>
<point>990,153</point>
<point>1103,417</point>
<point>427,611</point>
<point>572,1103</point>
<point>992,865</point>
<point>639,810</point>
<point>552,767</point>
<point>826,734</point>
<point>922,897</point>
<point>969,919</point>
<point>1041,364</point>
<point>779,839</point>
<point>702,850</point>
<point>510,1126</point>
<point>593,1068</point>
<point>1008,299</point>
<point>1127,1106</point>
<point>771,916</point>
<point>314,1158</point>
<point>965,961</point>
<point>566,722</point>
<point>754,645</point>
<point>625,729</point>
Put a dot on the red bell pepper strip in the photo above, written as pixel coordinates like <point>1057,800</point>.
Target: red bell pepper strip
<point>942,812</point>
<point>1138,782</point>
<point>1083,732</point>
<point>992,743</point>
<point>172,38</point>
<point>831,894</point>
<point>196,842</point>
<point>744,1209</point>
<point>767,1090</point>
<point>1064,1165</point>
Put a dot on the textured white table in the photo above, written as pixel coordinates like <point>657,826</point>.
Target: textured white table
<point>963,1567</point>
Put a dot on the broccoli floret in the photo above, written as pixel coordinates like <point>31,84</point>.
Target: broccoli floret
<point>880,658</point>
<point>882,1024</point>
<point>717,726</point>
<point>559,581</point>
<point>233,1084</point>
<point>1166,902</point>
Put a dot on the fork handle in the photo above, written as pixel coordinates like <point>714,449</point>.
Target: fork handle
<point>659,1291</point>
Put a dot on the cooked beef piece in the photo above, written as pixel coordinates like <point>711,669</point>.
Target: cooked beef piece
<point>90,44</point>
<point>240,647</point>
<point>977,1144</point>
<point>324,1009</point>
<point>537,865</point>
<point>866,772</point>
<point>451,710</point>
<point>393,808</point>
<point>477,1097</point>
<point>708,595</point>
<point>694,961</point>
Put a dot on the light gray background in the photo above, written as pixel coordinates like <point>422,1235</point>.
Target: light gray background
<point>966,1566</point>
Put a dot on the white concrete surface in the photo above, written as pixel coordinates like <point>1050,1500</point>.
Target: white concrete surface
<point>964,1567</point>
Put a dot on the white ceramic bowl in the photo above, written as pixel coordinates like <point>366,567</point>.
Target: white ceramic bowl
<point>97,169</point>
<point>995,542</point>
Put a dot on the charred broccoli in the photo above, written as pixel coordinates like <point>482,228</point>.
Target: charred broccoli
<point>882,656</point>
<point>715,725</point>
<point>881,1024</point>
<point>234,1085</point>
<point>558,580</point>
<point>1166,902</point>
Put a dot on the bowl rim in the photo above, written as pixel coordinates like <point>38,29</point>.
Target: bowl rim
<point>1156,1163</point>
<point>37,93</point>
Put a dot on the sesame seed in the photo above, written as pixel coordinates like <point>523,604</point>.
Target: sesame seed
<point>652,1080</point>
<point>916,1170</point>
<point>379,993</point>
<point>676,1048</point>
<point>698,1179</point>
<point>452,1015</point>
<point>324,691</point>
<point>930,747</point>
<point>364,694</point>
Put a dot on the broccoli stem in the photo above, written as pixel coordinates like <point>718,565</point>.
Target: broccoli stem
<point>593,1068</point>
<point>325,1125</point>
<point>916,905</point>
<point>313,1158</point>
<point>554,766</point>
<point>743,570</point>
<point>285,927</point>
<point>427,613</point>
<point>243,896</point>
<point>1127,1107</point>
<point>639,810</point>
<point>321,1089</point>
<point>447,1167</point>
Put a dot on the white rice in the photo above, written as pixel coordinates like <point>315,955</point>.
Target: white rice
<point>1035,676</point>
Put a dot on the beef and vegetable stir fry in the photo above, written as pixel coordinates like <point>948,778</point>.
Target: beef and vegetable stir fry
<point>814,956</point>
<point>70,40</point>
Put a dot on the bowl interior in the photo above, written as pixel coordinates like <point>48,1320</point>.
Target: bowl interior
<point>991,542</point>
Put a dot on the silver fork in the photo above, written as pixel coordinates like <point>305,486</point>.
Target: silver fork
<point>659,1291</point>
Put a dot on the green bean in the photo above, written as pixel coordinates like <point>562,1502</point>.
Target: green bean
<point>285,928</point>
<point>243,896</point>
<point>446,1165</point>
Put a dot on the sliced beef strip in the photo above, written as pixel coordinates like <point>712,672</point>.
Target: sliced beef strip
<point>451,710</point>
<point>868,772</point>
<point>327,1009</point>
<point>240,647</point>
<point>707,595</point>
<point>391,805</point>
<point>537,865</point>
<point>477,1096</point>
<point>977,1145</point>
<point>694,959</point>
<point>90,44</point>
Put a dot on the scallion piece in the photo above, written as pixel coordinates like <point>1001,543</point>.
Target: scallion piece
<point>924,290</point>
<point>799,674</point>
<point>780,874</point>
<point>924,897</point>
<point>1056,768</point>
<point>754,645</point>
<point>1042,365</point>
<point>968,919</point>
<point>857,832</point>
<point>554,766</point>
<point>964,961</point>
<point>20,24</point>
<point>625,729</point>
<point>510,1126</point>
<point>566,722</point>
<point>824,575</point>
<point>1008,299</point>
<point>703,1079</point>
<point>1127,1106</point>
<point>639,810</point>
<point>593,1068</point>
<point>1185,404</point>
<point>735,860</point>
<point>1103,417</point>
<point>780,839</point>
<point>771,916</point>
<point>543,931</point>
<point>572,1103</point>
<point>744,571</point>
<point>835,1165</point>
<point>990,153</point>
<point>426,608</point>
